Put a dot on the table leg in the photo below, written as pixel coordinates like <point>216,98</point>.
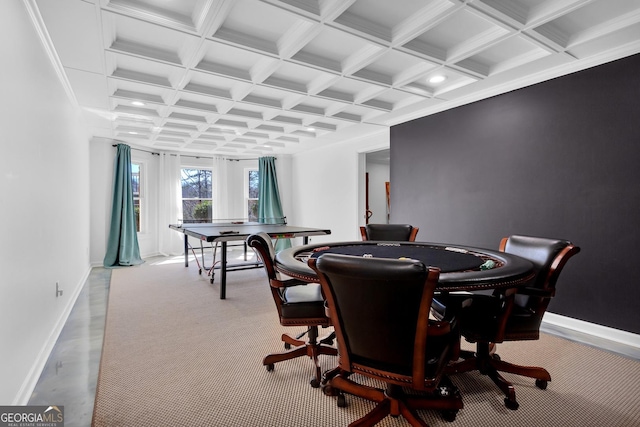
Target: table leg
<point>223,272</point>
<point>201,255</point>
<point>186,250</point>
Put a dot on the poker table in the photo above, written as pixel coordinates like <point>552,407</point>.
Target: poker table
<point>462,268</point>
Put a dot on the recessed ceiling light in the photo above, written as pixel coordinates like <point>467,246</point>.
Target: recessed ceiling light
<point>437,79</point>
<point>133,133</point>
<point>138,103</point>
<point>311,129</point>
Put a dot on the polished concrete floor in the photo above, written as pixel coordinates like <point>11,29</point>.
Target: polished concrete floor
<point>70,376</point>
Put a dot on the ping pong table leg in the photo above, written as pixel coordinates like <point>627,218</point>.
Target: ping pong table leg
<point>223,272</point>
<point>186,250</point>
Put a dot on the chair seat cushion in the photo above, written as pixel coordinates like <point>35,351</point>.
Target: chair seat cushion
<point>304,293</point>
<point>303,301</point>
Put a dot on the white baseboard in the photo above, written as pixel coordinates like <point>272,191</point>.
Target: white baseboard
<point>30,382</point>
<point>610,339</point>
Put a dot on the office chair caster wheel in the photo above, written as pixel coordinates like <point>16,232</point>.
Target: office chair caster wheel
<point>327,341</point>
<point>270,367</point>
<point>314,383</point>
<point>287,346</point>
<point>329,391</point>
<point>449,416</point>
<point>341,401</point>
<point>511,404</point>
<point>541,384</point>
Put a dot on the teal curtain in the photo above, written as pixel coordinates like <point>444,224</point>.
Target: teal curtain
<point>122,246</point>
<point>269,206</point>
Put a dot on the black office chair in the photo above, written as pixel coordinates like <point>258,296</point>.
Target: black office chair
<point>513,314</point>
<point>298,304</point>
<point>380,311</point>
<point>389,232</point>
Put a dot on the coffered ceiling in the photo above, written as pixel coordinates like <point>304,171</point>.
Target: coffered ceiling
<point>254,77</point>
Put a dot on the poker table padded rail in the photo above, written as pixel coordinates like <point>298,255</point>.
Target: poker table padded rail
<point>459,265</point>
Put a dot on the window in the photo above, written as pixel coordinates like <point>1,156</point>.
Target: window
<point>136,169</point>
<point>196,195</point>
<point>252,194</point>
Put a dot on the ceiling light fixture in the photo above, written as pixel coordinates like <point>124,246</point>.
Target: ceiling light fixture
<point>439,78</point>
<point>311,129</point>
<point>137,103</point>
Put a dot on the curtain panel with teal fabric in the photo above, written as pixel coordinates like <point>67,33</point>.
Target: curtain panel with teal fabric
<point>122,245</point>
<point>269,205</point>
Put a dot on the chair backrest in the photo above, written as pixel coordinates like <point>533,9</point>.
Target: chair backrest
<point>299,303</point>
<point>549,257</point>
<point>380,311</point>
<point>263,247</point>
<point>389,232</point>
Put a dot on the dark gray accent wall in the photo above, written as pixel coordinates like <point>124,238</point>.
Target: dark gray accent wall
<point>558,159</point>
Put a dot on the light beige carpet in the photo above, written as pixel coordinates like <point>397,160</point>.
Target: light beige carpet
<point>176,355</point>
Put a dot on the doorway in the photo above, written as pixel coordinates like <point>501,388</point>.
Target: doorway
<point>376,209</point>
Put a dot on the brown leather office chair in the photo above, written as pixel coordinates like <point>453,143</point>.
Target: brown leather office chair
<point>380,312</point>
<point>389,232</point>
<point>511,314</point>
<point>298,304</point>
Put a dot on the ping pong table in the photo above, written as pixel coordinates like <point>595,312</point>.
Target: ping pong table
<point>224,233</point>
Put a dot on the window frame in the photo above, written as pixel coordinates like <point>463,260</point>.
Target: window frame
<point>248,199</point>
<point>142,190</point>
<point>210,199</point>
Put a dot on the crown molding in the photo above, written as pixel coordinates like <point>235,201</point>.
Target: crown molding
<point>47,43</point>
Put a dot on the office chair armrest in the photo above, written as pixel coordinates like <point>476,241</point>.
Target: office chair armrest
<point>441,327</point>
<point>286,283</point>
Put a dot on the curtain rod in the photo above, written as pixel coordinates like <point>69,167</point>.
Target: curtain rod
<point>139,149</point>
<point>205,157</point>
<point>183,155</point>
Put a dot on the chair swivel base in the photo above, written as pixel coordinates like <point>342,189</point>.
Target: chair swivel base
<point>311,348</point>
<point>393,401</point>
<point>491,365</point>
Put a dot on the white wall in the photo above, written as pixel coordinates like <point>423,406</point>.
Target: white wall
<point>101,155</point>
<point>45,214</point>
<point>328,186</point>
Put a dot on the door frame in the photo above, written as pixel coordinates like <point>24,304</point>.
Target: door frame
<point>362,170</point>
